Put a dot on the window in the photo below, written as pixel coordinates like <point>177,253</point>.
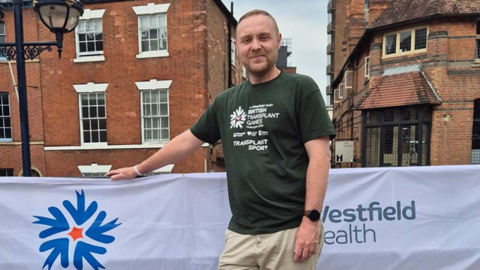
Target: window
<point>477,51</point>
<point>33,173</point>
<point>93,118</point>
<point>348,79</point>
<point>5,119</point>
<point>2,37</point>
<point>405,42</point>
<point>476,133</point>
<point>152,30</point>
<point>94,170</point>
<point>155,115</point>
<point>164,170</point>
<point>155,110</point>
<point>397,137</point>
<point>336,95</point>
<point>6,172</point>
<point>367,67</point>
<point>233,53</point>
<point>341,89</point>
<point>93,114</point>
<point>89,37</point>
<point>391,44</point>
<point>420,38</point>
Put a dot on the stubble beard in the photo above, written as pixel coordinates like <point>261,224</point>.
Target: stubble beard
<point>260,71</point>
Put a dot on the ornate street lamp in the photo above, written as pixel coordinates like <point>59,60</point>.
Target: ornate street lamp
<point>60,17</point>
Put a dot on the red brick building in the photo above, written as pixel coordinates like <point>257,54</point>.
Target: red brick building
<point>405,80</point>
<point>133,75</point>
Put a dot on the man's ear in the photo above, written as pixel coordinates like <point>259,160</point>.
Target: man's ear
<point>279,40</point>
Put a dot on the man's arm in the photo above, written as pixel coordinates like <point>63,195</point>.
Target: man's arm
<point>180,147</point>
<point>318,150</point>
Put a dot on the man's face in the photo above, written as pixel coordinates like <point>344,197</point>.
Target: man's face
<point>257,44</point>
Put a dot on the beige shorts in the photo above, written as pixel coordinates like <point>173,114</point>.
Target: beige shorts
<point>265,251</point>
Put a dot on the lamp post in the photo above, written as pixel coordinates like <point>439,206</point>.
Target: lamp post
<point>60,17</point>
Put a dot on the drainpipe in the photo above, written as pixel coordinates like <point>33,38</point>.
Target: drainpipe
<point>229,21</point>
<point>351,108</point>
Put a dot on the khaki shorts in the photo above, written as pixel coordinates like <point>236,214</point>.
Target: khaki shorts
<point>265,251</point>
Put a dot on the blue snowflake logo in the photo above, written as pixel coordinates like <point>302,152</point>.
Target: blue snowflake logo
<point>82,250</point>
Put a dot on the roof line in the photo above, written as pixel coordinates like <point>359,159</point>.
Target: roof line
<point>431,85</point>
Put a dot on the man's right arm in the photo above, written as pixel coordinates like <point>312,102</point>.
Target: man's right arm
<point>177,149</point>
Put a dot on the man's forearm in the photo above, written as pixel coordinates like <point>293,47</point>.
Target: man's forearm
<point>317,173</point>
<point>180,147</point>
<point>317,179</point>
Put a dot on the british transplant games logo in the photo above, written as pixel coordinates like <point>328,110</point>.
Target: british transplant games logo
<point>86,232</point>
<point>238,118</point>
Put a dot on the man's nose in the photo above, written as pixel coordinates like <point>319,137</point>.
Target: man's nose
<point>256,45</point>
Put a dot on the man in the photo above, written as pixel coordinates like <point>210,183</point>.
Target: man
<point>275,135</point>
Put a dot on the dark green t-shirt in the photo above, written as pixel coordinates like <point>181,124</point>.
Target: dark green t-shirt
<point>263,128</point>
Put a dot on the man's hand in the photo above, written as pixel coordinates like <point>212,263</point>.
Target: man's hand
<point>306,241</point>
<point>123,173</point>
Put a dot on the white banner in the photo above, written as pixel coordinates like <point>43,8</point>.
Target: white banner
<point>388,219</point>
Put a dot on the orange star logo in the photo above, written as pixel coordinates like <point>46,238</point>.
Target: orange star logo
<point>76,233</point>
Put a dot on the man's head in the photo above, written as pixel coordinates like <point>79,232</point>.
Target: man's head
<point>258,41</point>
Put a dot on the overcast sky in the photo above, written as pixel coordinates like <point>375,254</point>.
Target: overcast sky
<point>305,21</point>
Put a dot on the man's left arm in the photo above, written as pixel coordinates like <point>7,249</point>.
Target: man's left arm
<point>318,150</point>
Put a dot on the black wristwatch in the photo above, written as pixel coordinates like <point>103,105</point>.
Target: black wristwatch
<point>313,215</point>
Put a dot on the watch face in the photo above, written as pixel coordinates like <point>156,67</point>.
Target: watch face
<point>314,215</point>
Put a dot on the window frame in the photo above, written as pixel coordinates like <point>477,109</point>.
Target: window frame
<point>367,67</point>
<point>2,25</point>
<point>475,128</point>
<point>154,85</point>
<point>96,56</point>
<point>398,41</point>
<point>89,171</point>
<point>77,39</point>
<point>348,73</point>
<point>149,10</point>
<point>2,118</point>
<point>477,42</point>
<point>91,88</point>
<point>423,119</point>
<point>6,172</point>
<point>233,53</point>
<point>144,140</point>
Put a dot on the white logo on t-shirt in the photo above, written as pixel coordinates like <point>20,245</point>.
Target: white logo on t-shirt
<point>237,118</point>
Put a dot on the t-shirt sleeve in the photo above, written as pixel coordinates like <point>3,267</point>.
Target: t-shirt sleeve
<point>206,128</point>
<point>313,119</point>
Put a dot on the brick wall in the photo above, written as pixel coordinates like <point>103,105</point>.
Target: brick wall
<point>193,85</point>
<point>10,152</point>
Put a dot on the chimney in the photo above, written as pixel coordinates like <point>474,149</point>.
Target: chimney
<point>355,23</point>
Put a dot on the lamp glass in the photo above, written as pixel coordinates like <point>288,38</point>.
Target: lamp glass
<point>73,19</point>
<point>53,15</point>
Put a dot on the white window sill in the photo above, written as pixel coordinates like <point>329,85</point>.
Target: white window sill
<point>86,59</point>
<point>152,54</point>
